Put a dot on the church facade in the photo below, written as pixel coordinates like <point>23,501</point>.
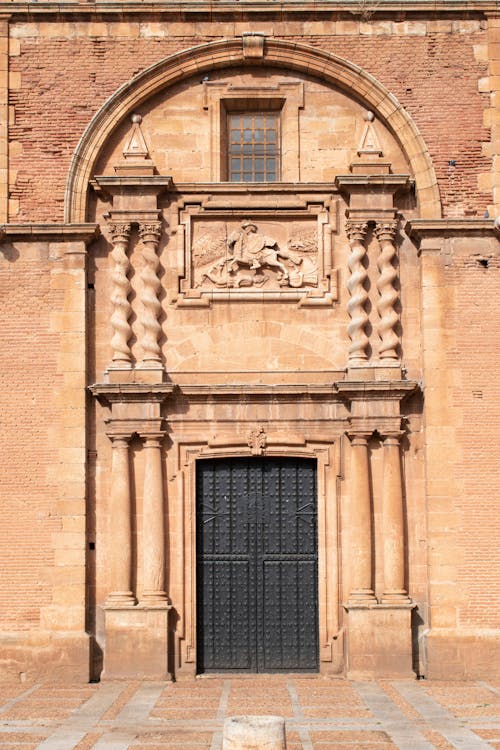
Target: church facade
<point>249,266</point>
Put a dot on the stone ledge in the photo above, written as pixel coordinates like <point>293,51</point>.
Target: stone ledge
<point>118,392</point>
<point>420,228</point>
<point>245,6</point>
<point>63,232</point>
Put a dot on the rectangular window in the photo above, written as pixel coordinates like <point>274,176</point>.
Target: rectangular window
<point>254,146</point>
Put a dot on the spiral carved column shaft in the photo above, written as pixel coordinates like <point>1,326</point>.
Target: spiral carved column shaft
<point>151,307</point>
<point>356,232</point>
<point>360,522</point>
<point>153,525</point>
<point>389,296</point>
<point>121,525</point>
<point>122,331</point>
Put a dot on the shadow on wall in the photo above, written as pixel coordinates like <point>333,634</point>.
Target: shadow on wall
<point>9,252</point>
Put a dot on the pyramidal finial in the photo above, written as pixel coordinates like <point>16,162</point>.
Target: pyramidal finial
<point>369,143</point>
<point>136,159</point>
<point>136,145</point>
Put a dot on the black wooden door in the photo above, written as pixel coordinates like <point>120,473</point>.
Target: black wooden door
<point>257,586</point>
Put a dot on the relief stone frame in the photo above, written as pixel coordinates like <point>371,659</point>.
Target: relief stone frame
<point>267,244</point>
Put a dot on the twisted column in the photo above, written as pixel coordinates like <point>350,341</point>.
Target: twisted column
<point>385,234</point>
<point>120,539</point>
<point>153,535</point>
<point>122,331</point>
<point>360,522</point>
<point>393,521</point>
<point>356,233</point>
<point>150,236</point>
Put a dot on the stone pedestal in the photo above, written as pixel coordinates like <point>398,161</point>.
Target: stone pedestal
<point>136,642</point>
<point>379,641</point>
<point>254,733</point>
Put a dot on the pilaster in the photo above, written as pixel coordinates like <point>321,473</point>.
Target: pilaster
<point>4,117</point>
<point>136,633</point>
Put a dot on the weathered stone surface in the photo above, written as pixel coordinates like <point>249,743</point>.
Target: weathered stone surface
<point>344,312</point>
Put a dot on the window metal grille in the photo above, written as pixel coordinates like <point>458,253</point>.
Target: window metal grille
<point>253,146</point>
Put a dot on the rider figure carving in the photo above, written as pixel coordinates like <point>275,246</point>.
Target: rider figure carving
<point>249,246</point>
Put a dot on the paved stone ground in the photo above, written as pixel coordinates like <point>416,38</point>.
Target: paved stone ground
<point>320,714</point>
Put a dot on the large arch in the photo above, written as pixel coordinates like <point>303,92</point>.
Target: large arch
<point>202,58</point>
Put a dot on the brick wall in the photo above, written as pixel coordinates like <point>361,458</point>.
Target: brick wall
<point>478,397</point>
<point>28,412</point>
<point>65,73</point>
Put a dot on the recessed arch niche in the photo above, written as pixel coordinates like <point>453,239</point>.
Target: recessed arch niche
<point>279,55</point>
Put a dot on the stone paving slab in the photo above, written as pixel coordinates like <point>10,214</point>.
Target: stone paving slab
<point>321,714</point>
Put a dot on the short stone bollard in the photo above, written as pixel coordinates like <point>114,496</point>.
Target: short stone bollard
<point>254,733</point>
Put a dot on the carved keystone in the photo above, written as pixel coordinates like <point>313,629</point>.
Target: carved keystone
<point>257,442</point>
<point>253,44</point>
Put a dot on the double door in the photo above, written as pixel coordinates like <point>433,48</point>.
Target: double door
<point>257,588</point>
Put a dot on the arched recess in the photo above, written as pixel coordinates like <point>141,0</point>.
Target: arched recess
<point>325,66</point>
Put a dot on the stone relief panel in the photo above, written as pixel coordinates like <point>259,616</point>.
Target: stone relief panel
<point>243,256</point>
<point>257,254</point>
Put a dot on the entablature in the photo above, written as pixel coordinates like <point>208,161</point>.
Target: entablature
<point>245,7</point>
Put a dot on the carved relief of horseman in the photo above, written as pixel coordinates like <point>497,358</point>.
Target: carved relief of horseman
<point>241,257</point>
<point>247,247</point>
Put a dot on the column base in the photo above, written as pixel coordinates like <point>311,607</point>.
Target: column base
<point>379,642</point>
<point>377,369</point>
<point>121,599</point>
<point>395,597</point>
<point>361,596</point>
<point>136,642</point>
<point>154,599</point>
<point>149,372</point>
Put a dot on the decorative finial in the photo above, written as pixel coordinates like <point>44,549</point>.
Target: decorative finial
<point>136,158</point>
<point>369,144</point>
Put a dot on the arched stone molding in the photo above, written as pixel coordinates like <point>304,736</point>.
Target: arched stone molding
<point>278,53</point>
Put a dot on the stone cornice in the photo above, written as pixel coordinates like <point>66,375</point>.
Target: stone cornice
<point>113,184</point>
<point>223,390</point>
<point>361,390</point>
<point>62,232</point>
<point>257,187</point>
<point>395,182</point>
<point>422,228</point>
<point>245,7</point>
<point>376,389</point>
<point>112,393</point>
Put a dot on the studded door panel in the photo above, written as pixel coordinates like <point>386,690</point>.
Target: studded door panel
<point>257,565</point>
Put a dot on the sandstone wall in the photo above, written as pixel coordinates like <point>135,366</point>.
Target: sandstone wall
<point>56,537</point>
<point>61,73</point>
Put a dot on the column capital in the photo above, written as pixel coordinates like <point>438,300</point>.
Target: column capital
<point>385,230</point>
<point>119,230</point>
<point>119,439</point>
<point>359,438</point>
<point>152,439</point>
<point>356,230</point>
<point>393,437</point>
<point>150,231</point>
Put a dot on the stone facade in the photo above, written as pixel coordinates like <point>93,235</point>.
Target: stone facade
<point>156,314</point>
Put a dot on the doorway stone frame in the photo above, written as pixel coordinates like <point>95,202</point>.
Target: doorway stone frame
<point>327,454</point>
